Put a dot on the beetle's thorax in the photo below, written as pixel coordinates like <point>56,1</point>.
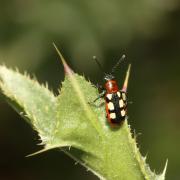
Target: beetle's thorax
<point>111,86</point>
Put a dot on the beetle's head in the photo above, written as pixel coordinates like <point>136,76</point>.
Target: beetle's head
<point>108,77</point>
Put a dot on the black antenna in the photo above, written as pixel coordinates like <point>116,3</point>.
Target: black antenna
<point>98,63</point>
<point>117,64</point>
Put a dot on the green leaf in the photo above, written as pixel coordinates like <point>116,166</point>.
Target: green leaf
<point>32,101</point>
<point>69,120</point>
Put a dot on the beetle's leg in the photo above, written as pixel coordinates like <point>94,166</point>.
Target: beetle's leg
<point>125,85</point>
<point>100,88</point>
<point>102,94</point>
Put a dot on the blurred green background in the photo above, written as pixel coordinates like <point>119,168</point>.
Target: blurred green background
<point>147,31</point>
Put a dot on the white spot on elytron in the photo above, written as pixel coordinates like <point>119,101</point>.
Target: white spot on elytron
<point>112,115</point>
<point>109,96</point>
<point>123,112</point>
<point>124,96</point>
<point>121,103</point>
<point>118,93</point>
<point>110,106</point>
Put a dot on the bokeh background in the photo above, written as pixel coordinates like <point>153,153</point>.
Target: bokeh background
<point>147,31</point>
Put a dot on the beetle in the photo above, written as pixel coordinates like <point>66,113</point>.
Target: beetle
<point>115,99</point>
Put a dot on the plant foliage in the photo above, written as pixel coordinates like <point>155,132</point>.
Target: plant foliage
<point>69,122</point>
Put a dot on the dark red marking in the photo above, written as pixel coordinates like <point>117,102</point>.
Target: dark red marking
<point>111,86</point>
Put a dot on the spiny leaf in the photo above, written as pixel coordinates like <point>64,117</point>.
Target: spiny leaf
<point>69,120</point>
<point>31,100</point>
